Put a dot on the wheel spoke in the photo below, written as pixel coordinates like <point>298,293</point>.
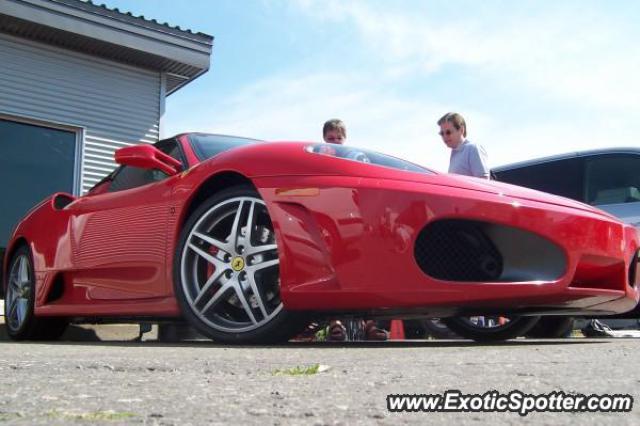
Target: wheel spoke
<point>13,275</point>
<point>13,307</point>
<point>245,303</point>
<point>14,283</point>
<point>212,279</point>
<point>249,225</point>
<point>261,249</point>
<point>262,265</point>
<point>21,309</point>
<point>208,257</point>
<point>257,294</point>
<point>23,270</point>
<point>235,228</point>
<point>8,300</point>
<point>216,297</point>
<point>220,245</point>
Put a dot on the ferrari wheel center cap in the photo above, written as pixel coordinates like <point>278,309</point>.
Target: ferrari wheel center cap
<point>237,263</point>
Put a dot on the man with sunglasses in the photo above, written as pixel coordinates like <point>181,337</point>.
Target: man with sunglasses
<point>467,158</point>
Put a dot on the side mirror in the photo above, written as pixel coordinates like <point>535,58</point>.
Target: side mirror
<point>147,157</point>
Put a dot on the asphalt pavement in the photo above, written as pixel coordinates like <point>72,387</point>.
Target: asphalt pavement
<point>122,381</point>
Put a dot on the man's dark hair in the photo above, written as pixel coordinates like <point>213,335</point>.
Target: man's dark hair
<point>334,124</point>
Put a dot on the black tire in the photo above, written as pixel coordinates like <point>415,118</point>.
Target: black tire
<point>20,320</point>
<point>515,327</point>
<point>436,328</point>
<point>223,309</point>
<point>413,329</point>
<point>552,328</point>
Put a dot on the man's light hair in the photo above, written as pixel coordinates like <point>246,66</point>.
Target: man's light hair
<point>455,119</point>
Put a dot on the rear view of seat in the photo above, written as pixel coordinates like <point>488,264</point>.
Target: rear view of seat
<point>628,194</point>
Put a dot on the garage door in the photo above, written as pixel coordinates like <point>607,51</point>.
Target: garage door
<point>35,161</point>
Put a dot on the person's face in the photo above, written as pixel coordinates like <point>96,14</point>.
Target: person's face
<point>334,136</point>
<point>451,136</point>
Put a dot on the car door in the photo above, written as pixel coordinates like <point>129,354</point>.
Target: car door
<point>119,236</point>
<point>562,177</point>
<point>612,183</point>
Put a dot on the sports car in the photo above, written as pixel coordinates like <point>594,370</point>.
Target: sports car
<point>247,240</point>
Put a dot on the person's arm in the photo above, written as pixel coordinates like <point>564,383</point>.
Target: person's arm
<point>478,162</point>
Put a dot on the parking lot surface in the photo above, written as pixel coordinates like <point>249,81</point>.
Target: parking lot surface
<point>128,382</point>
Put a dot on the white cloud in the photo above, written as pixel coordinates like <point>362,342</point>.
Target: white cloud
<point>568,53</point>
<point>551,81</point>
<point>295,107</point>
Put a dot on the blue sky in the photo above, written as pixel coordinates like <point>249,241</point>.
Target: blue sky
<point>532,78</point>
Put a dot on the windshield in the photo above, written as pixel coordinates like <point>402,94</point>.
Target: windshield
<point>207,146</point>
<point>366,156</point>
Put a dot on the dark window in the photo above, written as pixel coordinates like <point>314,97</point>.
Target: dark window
<point>207,146</point>
<point>128,177</point>
<point>613,179</point>
<point>172,148</point>
<point>132,177</point>
<point>35,161</point>
<point>365,156</point>
<point>561,177</point>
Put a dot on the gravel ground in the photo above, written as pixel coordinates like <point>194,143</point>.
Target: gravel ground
<point>202,383</point>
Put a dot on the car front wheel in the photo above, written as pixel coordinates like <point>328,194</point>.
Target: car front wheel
<point>226,271</point>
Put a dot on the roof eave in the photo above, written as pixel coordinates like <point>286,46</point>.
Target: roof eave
<point>87,28</point>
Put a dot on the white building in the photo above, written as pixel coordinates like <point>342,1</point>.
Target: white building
<point>78,81</point>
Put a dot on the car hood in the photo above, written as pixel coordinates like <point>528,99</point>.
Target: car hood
<point>292,159</point>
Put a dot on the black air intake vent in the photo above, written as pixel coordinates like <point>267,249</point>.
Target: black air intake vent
<point>458,250</point>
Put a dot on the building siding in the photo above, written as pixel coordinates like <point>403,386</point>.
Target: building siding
<point>116,105</point>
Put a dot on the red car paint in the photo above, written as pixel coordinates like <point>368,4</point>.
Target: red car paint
<point>345,231</point>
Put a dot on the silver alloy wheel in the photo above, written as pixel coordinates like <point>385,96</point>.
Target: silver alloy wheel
<point>229,266</point>
<point>18,292</point>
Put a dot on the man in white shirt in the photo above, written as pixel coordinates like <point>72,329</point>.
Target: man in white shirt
<point>467,158</point>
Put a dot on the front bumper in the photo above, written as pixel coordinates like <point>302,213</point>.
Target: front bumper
<point>348,244</point>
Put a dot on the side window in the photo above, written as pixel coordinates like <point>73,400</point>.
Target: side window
<point>103,185</point>
<point>561,177</point>
<point>612,179</point>
<point>128,177</point>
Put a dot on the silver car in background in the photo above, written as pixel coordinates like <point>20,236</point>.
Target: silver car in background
<point>605,178</point>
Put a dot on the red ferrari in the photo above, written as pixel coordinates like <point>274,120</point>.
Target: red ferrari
<point>247,240</point>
